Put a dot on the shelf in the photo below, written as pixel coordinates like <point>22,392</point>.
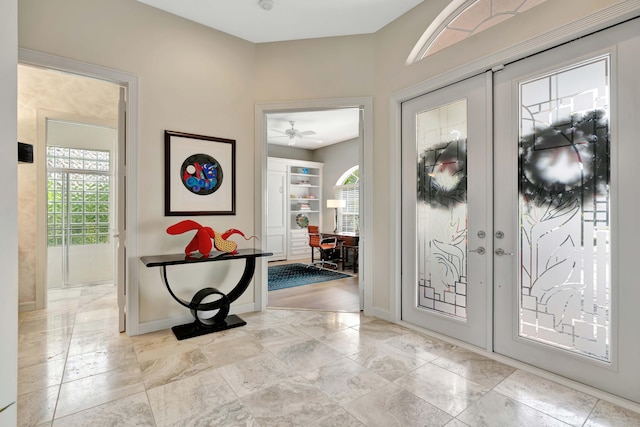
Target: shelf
<point>303,184</point>
<point>305,174</point>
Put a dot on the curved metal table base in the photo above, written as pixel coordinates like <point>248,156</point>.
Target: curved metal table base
<point>221,320</point>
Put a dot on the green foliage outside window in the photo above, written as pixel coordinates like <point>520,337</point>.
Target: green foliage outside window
<point>353,178</point>
<point>83,216</point>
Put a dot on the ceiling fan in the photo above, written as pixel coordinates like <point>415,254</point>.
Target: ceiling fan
<point>293,133</point>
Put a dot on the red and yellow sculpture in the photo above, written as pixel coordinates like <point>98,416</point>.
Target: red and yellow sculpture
<point>201,242</point>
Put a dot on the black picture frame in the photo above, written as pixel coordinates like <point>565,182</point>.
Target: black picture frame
<point>199,175</point>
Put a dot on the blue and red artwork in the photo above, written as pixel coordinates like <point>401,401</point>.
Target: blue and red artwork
<point>201,174</point>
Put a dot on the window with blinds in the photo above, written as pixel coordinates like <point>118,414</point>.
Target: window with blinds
<point>348,217</point>
<point>348,189</point>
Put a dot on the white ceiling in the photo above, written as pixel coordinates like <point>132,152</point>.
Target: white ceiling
<point>330,127</point>
<point>288,19</point>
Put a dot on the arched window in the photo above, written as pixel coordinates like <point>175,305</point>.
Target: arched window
<point>347,188</point>
<point>464,18</point>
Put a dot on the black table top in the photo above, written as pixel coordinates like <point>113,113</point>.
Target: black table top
<point>176,259</point>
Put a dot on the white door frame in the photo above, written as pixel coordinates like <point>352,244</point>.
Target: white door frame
<point>602,19</point>
<point>130,81</point>
<point>41,161</point>
<point>366,189</point>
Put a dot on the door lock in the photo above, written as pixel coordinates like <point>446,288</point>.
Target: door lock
<point>480,250</point>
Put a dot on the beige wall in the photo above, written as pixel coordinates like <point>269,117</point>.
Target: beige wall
<point>198,80</point>
<point>286,152</point>
<point>191,79</point>
<point>59,95</point>
<point>335,67</point>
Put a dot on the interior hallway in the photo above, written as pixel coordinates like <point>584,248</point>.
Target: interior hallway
<point>285,367</point>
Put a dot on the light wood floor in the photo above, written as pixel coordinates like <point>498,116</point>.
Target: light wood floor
<point>335,295</point>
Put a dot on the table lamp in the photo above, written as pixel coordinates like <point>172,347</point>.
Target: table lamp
<point>336,203</point>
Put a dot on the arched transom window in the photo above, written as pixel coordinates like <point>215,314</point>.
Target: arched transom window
<point>464,18</point>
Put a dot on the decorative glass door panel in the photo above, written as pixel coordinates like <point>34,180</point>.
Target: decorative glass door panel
<point>445,211</point>
<point>566,152</point>
<point>564,209</point>
<point>442,209</point>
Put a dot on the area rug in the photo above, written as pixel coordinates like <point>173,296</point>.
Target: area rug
<point>291,275</point>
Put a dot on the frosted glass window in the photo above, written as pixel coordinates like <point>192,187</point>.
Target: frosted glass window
<point>442,209</point>
<point>565,210</point>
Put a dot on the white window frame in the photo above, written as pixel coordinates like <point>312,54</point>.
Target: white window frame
<point>351,194</point>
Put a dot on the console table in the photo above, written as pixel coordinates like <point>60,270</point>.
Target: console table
<point>221,320</point>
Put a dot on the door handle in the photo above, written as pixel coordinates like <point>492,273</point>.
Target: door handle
<point>501,252</point>
<point>480,250</point>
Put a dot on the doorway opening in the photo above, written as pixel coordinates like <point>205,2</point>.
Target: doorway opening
<point>362,156</point>
<point>307,153</point>
<point>72,191</point>
<point>80,204</point>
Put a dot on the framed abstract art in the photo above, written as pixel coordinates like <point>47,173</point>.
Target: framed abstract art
<point>199,175</point>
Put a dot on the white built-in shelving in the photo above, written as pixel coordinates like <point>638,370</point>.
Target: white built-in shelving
<point>287,235</point>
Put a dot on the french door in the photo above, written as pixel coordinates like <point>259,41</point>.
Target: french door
<point>566,288</point>
<point>557,286</point>
<point>446,210</point>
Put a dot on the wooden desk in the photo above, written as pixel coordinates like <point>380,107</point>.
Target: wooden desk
<point>349,249</point>
<point>351,239</point>
<point>220,321</point>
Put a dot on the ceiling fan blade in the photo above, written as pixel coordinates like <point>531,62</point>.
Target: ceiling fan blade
<point>306,132</point>
<point>278,131</point>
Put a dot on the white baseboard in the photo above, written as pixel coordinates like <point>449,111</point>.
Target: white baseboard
<point>27,306</point>
<point>158,325</point>
<point>243,308</point>
<point>382,314</point>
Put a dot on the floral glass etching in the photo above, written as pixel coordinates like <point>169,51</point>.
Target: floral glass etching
<point>564,213</point>
<point>442,209</point>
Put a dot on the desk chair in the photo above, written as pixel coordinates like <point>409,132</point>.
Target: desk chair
<point>326,246</point>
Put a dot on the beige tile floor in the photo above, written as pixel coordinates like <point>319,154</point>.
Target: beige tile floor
<point>284,368</point>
